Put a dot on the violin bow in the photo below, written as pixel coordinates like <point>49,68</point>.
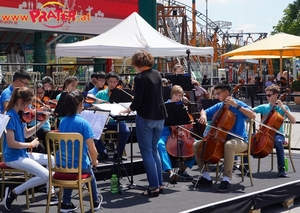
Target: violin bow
<point>125,92</point>
<point>227,132</point>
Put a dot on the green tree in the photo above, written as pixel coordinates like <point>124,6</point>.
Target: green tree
<point>290,22</point>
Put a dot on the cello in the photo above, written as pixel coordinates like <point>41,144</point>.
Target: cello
<point>180,142</point>
<point>212,147</point>
<point>263,141</point>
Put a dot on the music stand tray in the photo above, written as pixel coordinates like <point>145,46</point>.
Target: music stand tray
<point>183,80</point>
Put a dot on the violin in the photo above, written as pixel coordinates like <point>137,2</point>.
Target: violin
<point>90,99</point>
<point>263,141</point>
<point>52,103</point>
<point>28,115</point>
<point>212,147</point>
<point>180,135</point>
<point>37,103</point>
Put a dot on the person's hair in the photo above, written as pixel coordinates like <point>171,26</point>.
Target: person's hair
<point>142,59</point>
<point>273,88</point>
<point>73,99</point>
<point>165,81</point>
<point>100,75</point>
<point>19,92</point>
<point>49,80</point>
<point>20,75</point>
<point>68,81</point>
<point>113,74</point>
<point>39,85</point>
<point>223,85</point>
<point>176,89</point>
<point>177,66</point>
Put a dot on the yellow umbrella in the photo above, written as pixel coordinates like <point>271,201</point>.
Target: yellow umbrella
<point>276,45</point>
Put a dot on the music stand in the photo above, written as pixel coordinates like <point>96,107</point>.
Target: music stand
<point>119,96</point>
<point>184,80</point>
<point>177,115</point>
<point>166,93</point>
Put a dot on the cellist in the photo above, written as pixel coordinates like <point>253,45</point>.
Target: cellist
<point>176,96</point>
<point>232,144</point>
<point>272,94</point>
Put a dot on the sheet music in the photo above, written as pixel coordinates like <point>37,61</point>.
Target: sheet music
<point>3,122</point>
<point>97,119</point>
<point>114,108</point>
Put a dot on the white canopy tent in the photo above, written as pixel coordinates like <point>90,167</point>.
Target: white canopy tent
<point>129,36</point>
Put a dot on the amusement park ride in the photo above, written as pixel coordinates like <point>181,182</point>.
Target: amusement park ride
<point>186,25</point>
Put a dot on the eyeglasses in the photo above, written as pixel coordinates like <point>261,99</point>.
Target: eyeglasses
<point>218,93</point>
<point>40,93</point>
<point>25,84</point>
<point>269,95</point>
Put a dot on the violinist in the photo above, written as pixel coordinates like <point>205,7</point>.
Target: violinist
<point>176,96</point>
<point>45,128</point>
<point>21,78</point>
<point>15,149</point>
<point>272,94</point>
<point>112,82</point>
<point>48,83</point>
<point>232,144</point>
<point>99,82</point>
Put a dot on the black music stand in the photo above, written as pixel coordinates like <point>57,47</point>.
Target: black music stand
<point>119,96</point>
<point>166,93</point>
<point>177,115</point>
<point>184,80</point>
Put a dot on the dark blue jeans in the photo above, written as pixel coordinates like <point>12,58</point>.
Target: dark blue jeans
<point>124,134</point>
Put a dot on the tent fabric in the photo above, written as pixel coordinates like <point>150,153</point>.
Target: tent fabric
<point>130,35</point>
<point>276,45</point>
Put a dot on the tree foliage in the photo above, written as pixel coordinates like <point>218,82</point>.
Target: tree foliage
<point>290,22</point>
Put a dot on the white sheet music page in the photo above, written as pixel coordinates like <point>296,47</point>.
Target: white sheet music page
<point>114,109</point>
<point>97,119</point>
<point>3,122</point>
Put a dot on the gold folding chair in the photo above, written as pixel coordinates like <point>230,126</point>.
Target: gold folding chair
<point>67,177</point>
<point>287,126</point>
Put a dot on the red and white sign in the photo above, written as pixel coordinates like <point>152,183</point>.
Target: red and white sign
<point>68,16</point>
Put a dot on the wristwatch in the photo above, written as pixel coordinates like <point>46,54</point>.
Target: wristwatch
<point>238,107</point>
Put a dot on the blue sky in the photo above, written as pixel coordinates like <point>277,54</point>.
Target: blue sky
<point>246,15</point>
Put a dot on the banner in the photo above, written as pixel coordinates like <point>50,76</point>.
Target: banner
<point>68,16</point>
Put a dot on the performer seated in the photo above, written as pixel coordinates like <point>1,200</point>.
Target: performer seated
<point>232,144</point>
<point>176,95</point>
<point>112,82</point>
<point>99,82</point>
<point>272,94</point>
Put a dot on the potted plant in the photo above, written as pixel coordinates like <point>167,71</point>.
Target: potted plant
<point>296,90</point>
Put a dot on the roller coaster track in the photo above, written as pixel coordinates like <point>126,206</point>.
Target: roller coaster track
<point>210,23</point>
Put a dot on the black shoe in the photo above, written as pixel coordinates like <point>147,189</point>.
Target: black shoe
<point>102,156</point>
<point>9,198</point>
<point>224,187</point>
<point>173,178</point>
<point>122,157</point>
<point>68,207</point>
<point>184,175</point>
<point>202,182</point>
<point>97,205</point>
<point>54,200</point>
<point>281,172</point>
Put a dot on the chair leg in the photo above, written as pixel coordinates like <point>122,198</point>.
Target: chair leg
<point>291,159</point>
<point>272,161</point>
<point>91,196</point>
<point>242,165</point>
<point>48,198</point>
<point>250,170</point>
<point>81,200</point>
<point>59,199</point>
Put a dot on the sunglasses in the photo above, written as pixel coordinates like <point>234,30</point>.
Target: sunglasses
<point>269,95</point>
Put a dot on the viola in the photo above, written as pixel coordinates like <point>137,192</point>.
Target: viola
<point>182,137</point>
<point>28,115</point>
<point>211,149</point>
<point>263,141</point>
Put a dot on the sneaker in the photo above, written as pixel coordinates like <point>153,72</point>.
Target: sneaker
<point>173,178</point>
<point>281,172</point>
<point>68,207</point>
<point>97,205</point>
<point>202,182</point>
<point>224,187</point>
<point>54,199</point>
<point>184,175</point>
<point>102,156</point>
<point>9,198</point>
